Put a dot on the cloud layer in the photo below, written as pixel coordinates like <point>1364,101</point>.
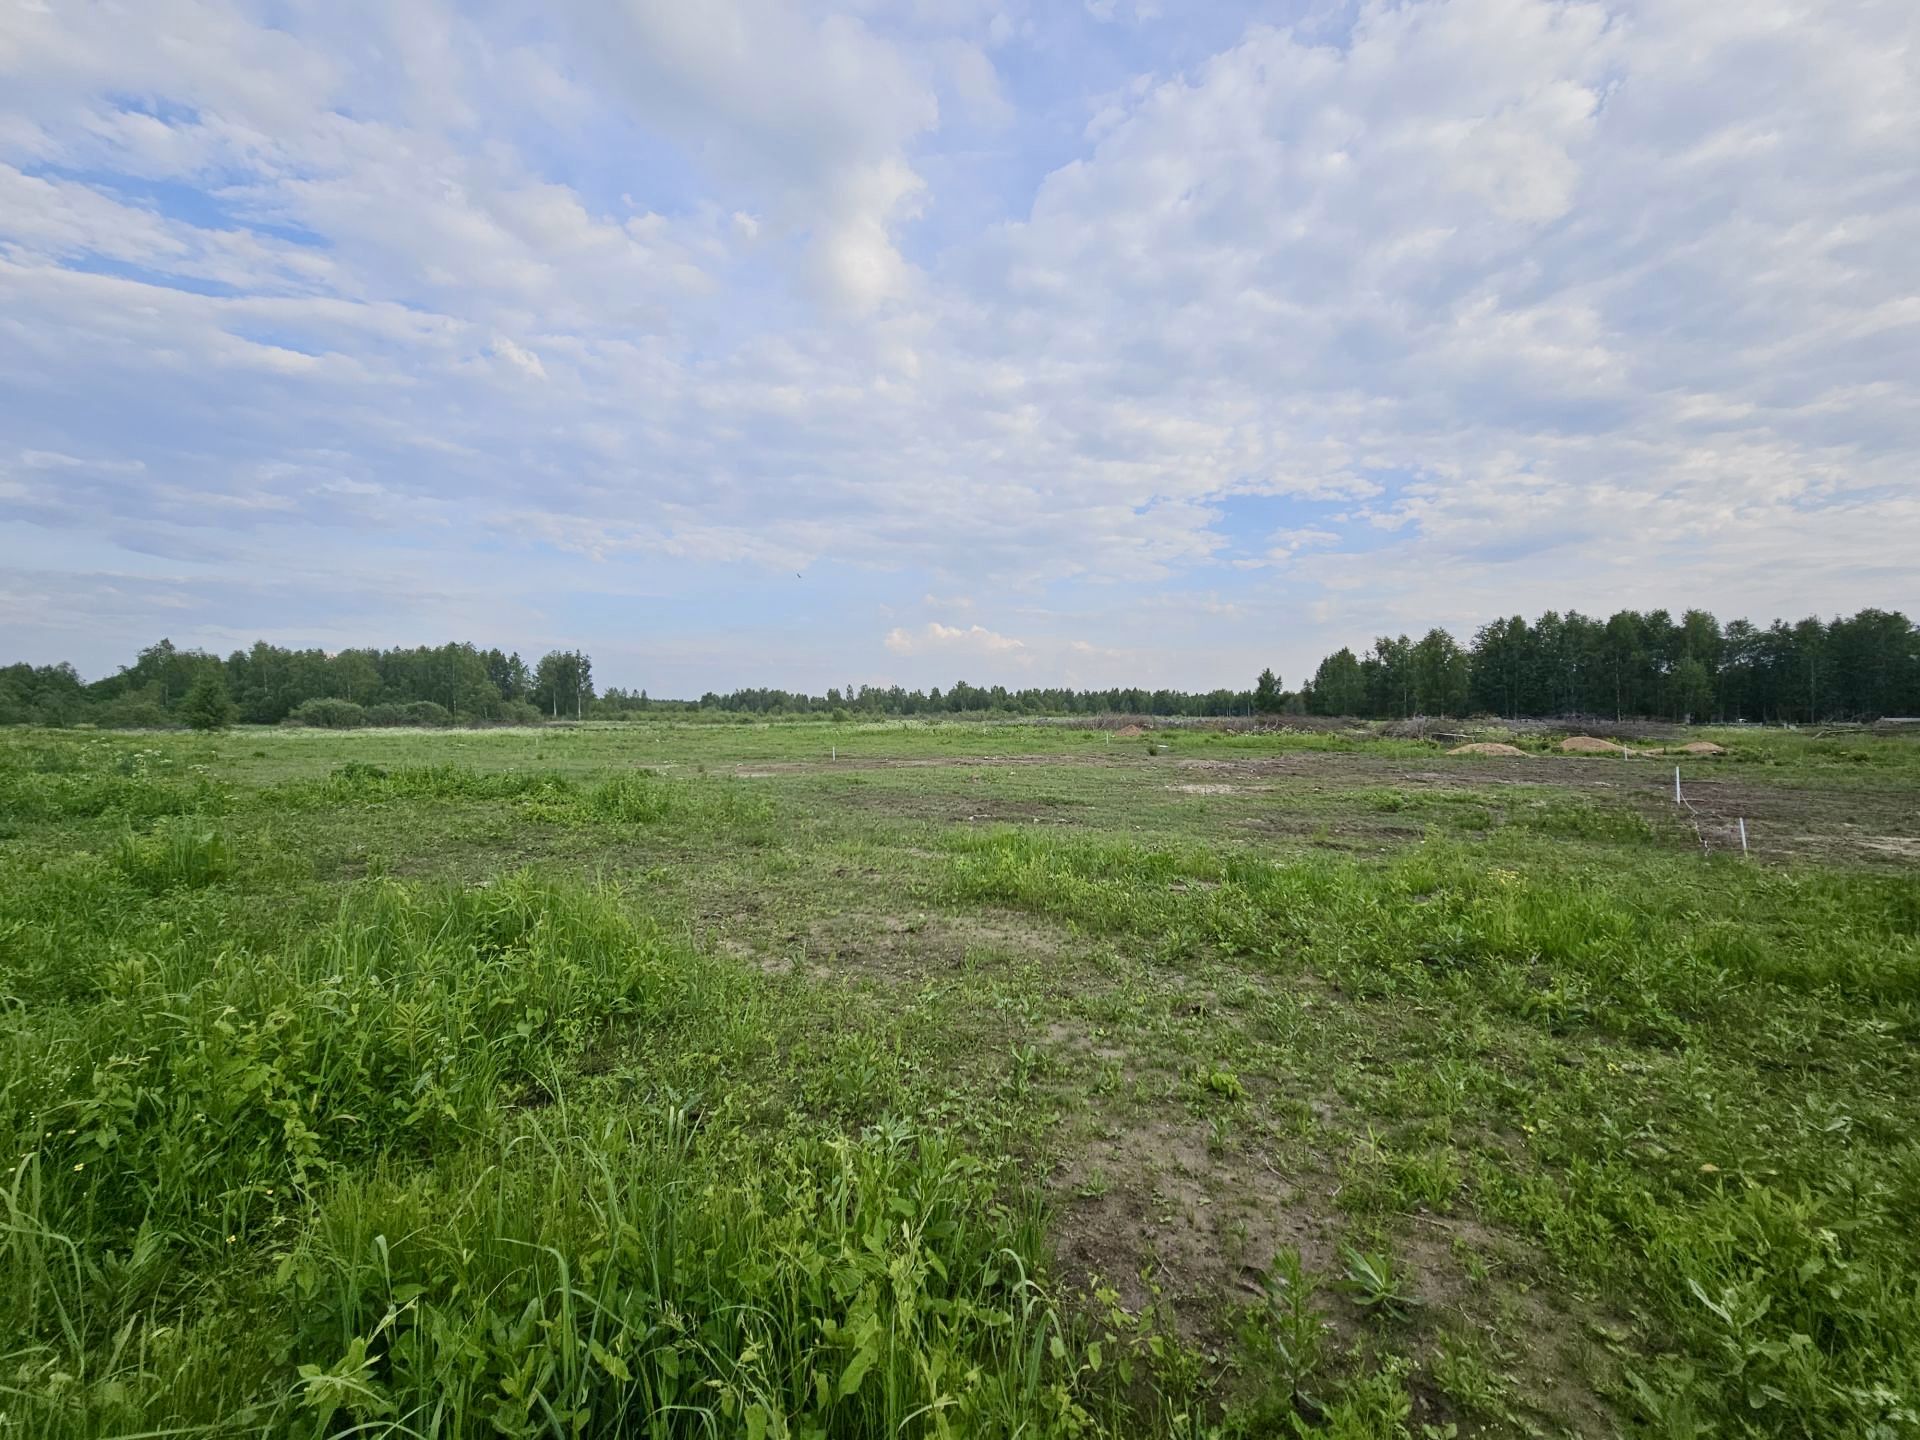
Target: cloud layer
<point>723,339</point>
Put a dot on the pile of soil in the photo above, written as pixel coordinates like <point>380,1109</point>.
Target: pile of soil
<point>1588,745</point>
<point>1127,732</point>
<point>1699,747</point>
<point>1485,747</point>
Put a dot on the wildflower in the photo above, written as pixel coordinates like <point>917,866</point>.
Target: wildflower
<point>80,1165</point>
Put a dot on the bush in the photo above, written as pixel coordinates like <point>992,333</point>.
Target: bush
<point>329,714</point>
<point>519,712</point>
<point>208,706</point>
<point>130,714</point>
<point>416,712</point>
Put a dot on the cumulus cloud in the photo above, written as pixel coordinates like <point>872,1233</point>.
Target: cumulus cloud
<point>935,637</point>
<point>814,112</point>
<point>1440,311</point>
<point>525,361</point>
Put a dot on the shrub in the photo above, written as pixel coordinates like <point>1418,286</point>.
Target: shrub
<point>208,706</point>
<point>130,714</point>
<point>329,714</point>
<point>414,712</point>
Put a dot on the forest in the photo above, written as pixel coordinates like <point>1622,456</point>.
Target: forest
<point>1633,665</point>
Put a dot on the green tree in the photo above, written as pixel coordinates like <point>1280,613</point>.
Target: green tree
<point>1339,685</point>
<point>1440,673</point>
<point>208,706</point>
<point>1267,698</point>
<point>356,676</point>
<point>1692,690</point>
<point>563,681</point>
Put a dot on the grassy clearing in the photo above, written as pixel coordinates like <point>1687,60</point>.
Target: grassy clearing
<point>675,1082</point>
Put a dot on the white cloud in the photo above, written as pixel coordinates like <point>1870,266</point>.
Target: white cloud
<point>973,640</point>
<point>1483,306</point>
<point>522,360</point>
<point>815,114</point>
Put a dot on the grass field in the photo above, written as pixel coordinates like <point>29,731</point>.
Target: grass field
<point>974,1079</point>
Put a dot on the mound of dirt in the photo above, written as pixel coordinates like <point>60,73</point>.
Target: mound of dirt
<point>1700,747</point>
<point>1127,732</point>
<point>1485,747</point>
<point>1587,745</point>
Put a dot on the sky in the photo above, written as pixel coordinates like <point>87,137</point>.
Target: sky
<point>753,342</point>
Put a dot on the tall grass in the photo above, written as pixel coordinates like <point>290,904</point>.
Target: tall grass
<point>361,1183</point>
<point>644,1272</point>
<point>176,854</point>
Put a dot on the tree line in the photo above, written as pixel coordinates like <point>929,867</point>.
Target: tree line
<point>267,684</point>
<point>1633,665</point>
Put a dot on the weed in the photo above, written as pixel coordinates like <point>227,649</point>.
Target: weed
<point>1280,1345</point>
<point>1224,1083</point>
<point>1375,1283</point>
<point>176,854</point>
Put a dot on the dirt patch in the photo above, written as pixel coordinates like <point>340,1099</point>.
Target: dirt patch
<point>1151,1204</point>
<point>913,948</point>
<point>1902,845</point>
<point>1209,789</point>
<point>1127,732</point>
<point>1588,745</point>
<point>1486,747</point>
<point>1151,1209</point>
<point>1558,1355</point>
<point>1797,822</point>
<point>954,807</point>
<point>1698,747</point>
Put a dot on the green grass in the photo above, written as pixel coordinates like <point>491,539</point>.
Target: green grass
<point>495,1160</point>
<point>686,1080</point>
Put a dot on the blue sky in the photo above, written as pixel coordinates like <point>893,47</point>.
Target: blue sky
<point>766,343</point>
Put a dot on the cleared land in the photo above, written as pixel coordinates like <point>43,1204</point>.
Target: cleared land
<point>803,1079</point>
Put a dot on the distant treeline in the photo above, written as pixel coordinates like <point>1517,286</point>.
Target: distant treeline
<point>965,699</point>
<point>427,685</point>
<point>1632,666</point>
